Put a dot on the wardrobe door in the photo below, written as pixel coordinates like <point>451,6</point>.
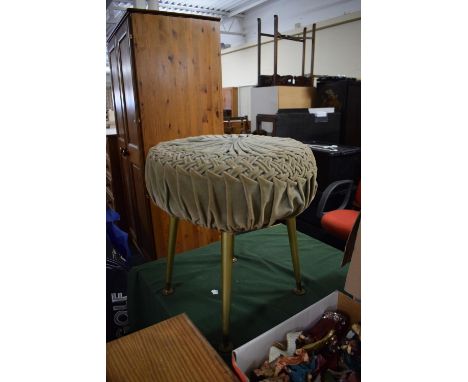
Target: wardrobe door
<point>178,71</point>
<point>121,208</point>
<point>132,150</point>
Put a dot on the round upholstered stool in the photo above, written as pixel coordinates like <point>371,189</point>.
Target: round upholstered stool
<point>233,183</point>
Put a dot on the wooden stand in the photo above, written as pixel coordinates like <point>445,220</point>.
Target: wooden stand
<point>284,80</point>
<point>236,125</point>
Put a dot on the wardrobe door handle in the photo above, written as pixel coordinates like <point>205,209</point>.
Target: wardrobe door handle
<point>124,151</point>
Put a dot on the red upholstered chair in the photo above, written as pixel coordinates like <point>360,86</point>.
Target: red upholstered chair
<point>340,221</point>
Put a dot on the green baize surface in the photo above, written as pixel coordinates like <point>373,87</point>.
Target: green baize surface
<point>262,284</point>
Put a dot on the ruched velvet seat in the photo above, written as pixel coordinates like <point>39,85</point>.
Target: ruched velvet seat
<point>233,183</point>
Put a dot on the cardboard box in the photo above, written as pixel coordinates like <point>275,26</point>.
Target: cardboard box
<point>252,354</point>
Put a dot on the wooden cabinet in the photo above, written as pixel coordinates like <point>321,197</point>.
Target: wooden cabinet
<point>114,189</point>
<point>230,101</point>
<point>166,81</point>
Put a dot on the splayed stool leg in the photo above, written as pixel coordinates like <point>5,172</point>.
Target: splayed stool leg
<point>291,224</point>
<point>174,222</point>
<point>227,251</point>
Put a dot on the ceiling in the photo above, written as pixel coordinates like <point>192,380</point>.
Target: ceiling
<point>216,8</point>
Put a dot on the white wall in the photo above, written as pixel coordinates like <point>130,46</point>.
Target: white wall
<point>239,68</point>
<point>243,97</point>
<point>337,52</point>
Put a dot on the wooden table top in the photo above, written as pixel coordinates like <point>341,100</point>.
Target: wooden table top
<point>172,350</point>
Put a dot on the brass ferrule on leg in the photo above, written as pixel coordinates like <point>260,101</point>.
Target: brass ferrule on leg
<point>174,222</point>
<point>291,224</point>
<point>227,250</point>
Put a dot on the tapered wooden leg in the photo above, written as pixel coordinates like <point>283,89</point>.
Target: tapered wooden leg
<point>174,222</point>
<point>291,224</point>
<point>227,250</point>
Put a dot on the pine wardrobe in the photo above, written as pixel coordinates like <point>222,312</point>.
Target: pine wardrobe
<point>166,81</point>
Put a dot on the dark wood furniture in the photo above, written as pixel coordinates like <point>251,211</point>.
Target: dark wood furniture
<point>237,125</point>
<point>230,101</point>
<point>171,351</point>
<point>166,81</point>
<point>114,190</point>
<point>276,79</point>
<point>344,94</point>
<point>266,118</point>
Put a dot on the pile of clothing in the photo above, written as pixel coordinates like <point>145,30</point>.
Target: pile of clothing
<point>328,352</point>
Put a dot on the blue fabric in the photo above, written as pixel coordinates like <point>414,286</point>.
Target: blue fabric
<point>115,235</point>
<point>298,373</point>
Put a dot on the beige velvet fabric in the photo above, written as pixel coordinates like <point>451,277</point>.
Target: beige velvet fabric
<point>233,183</point>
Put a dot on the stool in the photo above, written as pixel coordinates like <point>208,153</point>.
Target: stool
<point>233,183</point>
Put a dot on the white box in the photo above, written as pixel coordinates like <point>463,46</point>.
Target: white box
<point>252,354</point>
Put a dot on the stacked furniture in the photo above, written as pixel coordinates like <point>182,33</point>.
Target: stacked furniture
<point>166,81</point>
<point>230,102</point>
<point>276,79</point>
<point>303,126</point>
<point>233,122</point>
<point>237,125</point>
<point>344,94</point>
<point>274,92</point>
<point>266,101</point>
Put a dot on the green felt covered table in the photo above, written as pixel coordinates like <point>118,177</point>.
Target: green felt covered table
<point>262,283</point>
